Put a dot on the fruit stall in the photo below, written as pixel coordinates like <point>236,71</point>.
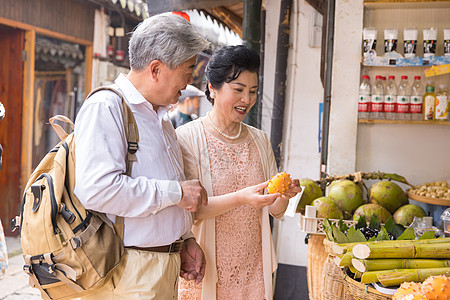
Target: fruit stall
<point>375,241</point>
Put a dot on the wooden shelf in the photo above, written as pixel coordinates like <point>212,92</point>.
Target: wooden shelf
<point>399,4</point>
<point>365,121</point>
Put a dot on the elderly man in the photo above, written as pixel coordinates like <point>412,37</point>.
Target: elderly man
<point>156,201</point>
<point>188,105</point>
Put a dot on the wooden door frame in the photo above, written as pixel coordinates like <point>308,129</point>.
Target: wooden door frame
<point>28,85</point>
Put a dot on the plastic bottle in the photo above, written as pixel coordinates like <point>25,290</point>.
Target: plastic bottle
<point>429,100</point>
<point>376,107</point>
<point>364,98</point>
<point>390,99</point>
<point>441,107</point>
<point>403,99</point>
<point>416,99</point>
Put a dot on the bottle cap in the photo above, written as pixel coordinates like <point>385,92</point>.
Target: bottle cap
<point>378,77</point>
<point>366,77</point>
<point>404,77</point>
<point>391,77</point>
<point>416,77</point>
<point>384,77</point>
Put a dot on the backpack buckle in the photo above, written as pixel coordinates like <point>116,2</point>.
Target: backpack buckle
<point>132,147</point>
<point>15,223</point>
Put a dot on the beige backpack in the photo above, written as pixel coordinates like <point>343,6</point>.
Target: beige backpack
<point>69,251</point>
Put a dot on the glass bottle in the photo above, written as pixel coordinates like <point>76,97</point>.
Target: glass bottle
<point>429,100</point>
<point>441,104</point>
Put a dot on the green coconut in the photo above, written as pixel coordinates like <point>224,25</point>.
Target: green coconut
<point>405,214</point>
<point>388,194</point>
<point>326,208</point>
<point>311,191</point>
<point>367,210</point>
<point>347,195</point>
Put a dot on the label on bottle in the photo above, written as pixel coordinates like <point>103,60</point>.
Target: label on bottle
<point>416,104</point>
<point>389,103</point>
<point>377,103</point>
<point>441,107</point>
<point>403,104</point>
<point>364,103</point>
<point>410,48</point>
<point>429,48</point>
<point>390,45</point>
<point>447,47</point>
<point>428,107</point>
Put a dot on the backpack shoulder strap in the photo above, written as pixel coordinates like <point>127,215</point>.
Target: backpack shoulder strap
<point>132,135</point>
<point>131,130</point>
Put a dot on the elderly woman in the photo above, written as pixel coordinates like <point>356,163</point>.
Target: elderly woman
<point>233,161</point>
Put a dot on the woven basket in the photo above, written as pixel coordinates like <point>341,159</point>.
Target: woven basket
<point>316,258</point>
<point>332,285</point>
<point>360,291</point>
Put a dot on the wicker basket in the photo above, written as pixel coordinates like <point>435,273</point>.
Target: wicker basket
<point>360,291</point>
<point>316,258</point>
<point>332,285</point>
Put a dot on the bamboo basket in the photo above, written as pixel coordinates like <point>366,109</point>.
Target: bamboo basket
<point>316,258</point>
<point>332,285</point>
<point>360,291</point>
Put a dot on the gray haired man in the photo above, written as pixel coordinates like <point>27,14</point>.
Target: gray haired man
<point>156,201</point>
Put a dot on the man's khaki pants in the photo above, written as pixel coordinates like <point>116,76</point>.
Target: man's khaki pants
<point>142,275</point>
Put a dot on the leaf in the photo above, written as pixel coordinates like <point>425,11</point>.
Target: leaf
<point>389,225</point>
<point>427,235</point>
<point>408,234</point>
<point>382,235</point>
<point>342,226</point>
<point>361,222</point>
<point>328,230</point>
<point>338,235</point>
<point>374,222</point>
<point>372,239</point>
<point>358,237</point>
<point>397,230</point>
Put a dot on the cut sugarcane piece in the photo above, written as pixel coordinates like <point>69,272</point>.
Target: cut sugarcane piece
<point>366,265</point>
<point>396,277</point>
<point>409,249</point>
<point>346,260</point>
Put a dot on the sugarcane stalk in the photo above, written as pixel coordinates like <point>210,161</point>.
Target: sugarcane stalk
<point>367,265</point>
<point>343,248</point>
<point>396,277</point>
<point>410,249</point>
<point>371,277</point>
<point>346,260</point>
<point>359,176</point>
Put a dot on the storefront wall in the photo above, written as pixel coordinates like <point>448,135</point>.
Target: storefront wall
<point>300,150</point>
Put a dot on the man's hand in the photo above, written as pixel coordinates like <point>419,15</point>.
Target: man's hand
<point>192,261</point>
<point>194,195</point>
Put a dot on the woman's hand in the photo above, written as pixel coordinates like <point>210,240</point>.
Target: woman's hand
<point>294,189</point>
<point>278,208</point>
<point>254,196</point>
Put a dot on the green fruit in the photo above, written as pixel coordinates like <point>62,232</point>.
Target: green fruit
<point>347,195</point>
<point>326,208</point>
<point>367,210</point>
<point>388,194</point>
<point>405,214</point>
<point>311,191</point>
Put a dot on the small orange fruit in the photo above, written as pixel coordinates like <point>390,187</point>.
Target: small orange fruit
<point>279,183</point>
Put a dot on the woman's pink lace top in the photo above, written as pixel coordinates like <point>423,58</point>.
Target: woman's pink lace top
<point>238,232</point>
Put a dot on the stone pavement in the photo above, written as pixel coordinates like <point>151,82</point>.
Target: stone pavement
<point>14,286</point>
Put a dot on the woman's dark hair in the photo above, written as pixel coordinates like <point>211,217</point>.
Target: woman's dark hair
<point>227,63</point>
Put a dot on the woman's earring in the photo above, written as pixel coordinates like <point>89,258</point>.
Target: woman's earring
<point>212,95</point>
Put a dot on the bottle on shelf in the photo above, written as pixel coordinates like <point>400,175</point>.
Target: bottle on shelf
<point>416,99</point>
<point>364,98</point>
<point>441,106</point>
<point>390,99</point>
<point>403,99</point>
<point>376,107</point>
<point>429,101</point>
